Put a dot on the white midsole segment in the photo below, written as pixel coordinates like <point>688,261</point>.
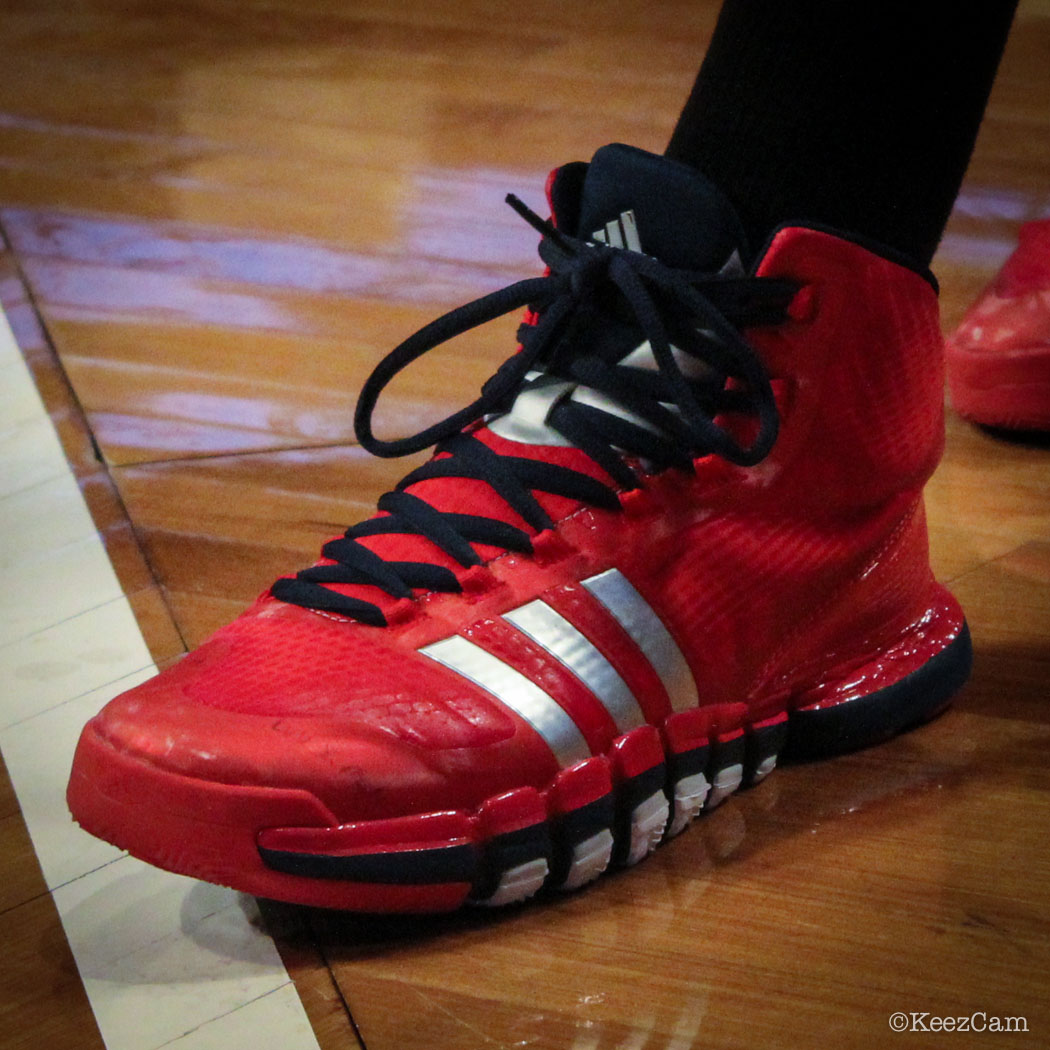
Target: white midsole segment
<point>689,795</point>
<point>765,767</point>
<point>518,883</point>
<point>589,859</point>
<point>726,781</point>
<point>648,821</point>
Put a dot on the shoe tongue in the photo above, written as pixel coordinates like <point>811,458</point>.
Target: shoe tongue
<point>681,217</point>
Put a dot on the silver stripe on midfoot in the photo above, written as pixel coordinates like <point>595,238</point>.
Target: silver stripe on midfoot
<point>637,618</point>
<point>512,688</point>
<point>569,646</point>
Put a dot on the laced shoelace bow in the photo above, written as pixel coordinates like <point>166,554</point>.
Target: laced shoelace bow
<point>674,415</point>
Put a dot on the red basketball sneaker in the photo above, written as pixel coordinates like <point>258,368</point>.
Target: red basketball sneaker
<point>679,534</point>
<point>999,358</point>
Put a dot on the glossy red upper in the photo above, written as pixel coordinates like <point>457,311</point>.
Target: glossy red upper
<point>999,357</point>
<point>776,581</point>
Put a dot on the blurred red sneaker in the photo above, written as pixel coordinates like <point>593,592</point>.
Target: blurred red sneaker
<point>999,358</point>
<point>680,533</point>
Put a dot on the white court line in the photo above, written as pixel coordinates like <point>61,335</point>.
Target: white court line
<point>165,960</point>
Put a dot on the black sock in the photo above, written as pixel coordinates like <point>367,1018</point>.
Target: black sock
<point>857,116</point>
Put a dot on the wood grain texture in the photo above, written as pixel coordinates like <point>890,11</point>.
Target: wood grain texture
<point>42,1001</point>
<point>217,216</point>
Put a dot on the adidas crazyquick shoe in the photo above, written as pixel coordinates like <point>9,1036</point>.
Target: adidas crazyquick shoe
<point>999,357</point>
<point>679,533</point>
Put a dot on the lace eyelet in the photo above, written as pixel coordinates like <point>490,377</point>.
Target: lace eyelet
<point>549,547</point>
<point>803,307</point>
<point>477,581</point>
<point>403,611</point>
<point>637,503</point>
<point>706,313</point>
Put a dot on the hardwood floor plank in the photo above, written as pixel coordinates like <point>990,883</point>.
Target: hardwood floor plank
<point>217,531</point>
<point>42,1001</point>
<point>20,877</point>
<point>989,495</point>
<point>243,367</point>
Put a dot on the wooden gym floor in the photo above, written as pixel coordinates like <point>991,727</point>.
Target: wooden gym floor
<point>216,216</point>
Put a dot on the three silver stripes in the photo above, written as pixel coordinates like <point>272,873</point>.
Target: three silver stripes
<point>554,633</point>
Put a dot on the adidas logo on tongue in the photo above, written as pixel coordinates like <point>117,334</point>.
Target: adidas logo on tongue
<point>623,233</point>
<point>620,233</point>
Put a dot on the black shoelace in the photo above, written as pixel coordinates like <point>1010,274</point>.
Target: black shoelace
<point>590,288</point>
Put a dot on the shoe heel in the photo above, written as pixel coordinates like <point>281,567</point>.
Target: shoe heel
<point>842,717</point>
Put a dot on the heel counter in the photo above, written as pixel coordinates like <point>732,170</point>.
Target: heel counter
<point>890,593</point>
